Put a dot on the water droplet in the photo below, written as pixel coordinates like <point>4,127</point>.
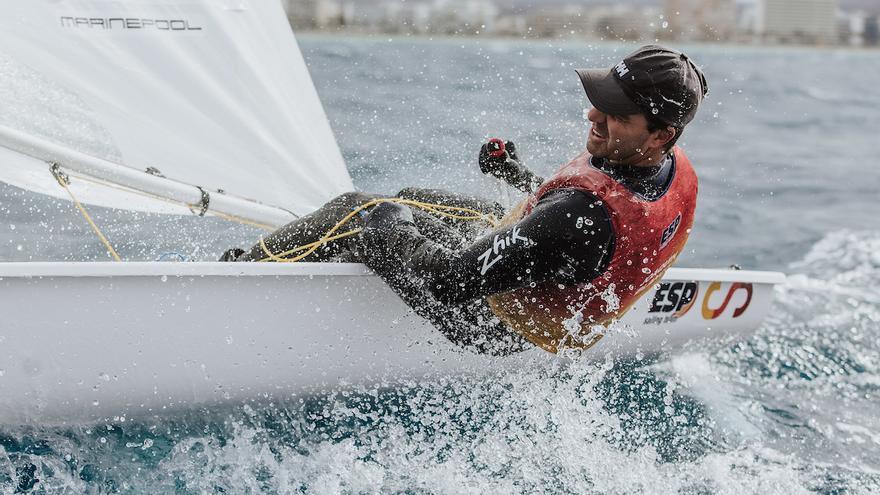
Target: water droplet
<point>164,278</point>
<point>655,111</point>
<point>664,25</point>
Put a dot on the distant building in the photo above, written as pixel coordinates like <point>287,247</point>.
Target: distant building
<point>799,21</point>
<point>329,14</point>
<point>626,23</point>
<point>872,30</point>
<point>851,28</point>
<point>569,21</point>
<point>478,15</point>
<point>511,25</point>
<point>749,20</point>
<point>700,20</point>
<point>301,13</point>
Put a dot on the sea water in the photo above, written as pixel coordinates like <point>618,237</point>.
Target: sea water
<point>785,148</point>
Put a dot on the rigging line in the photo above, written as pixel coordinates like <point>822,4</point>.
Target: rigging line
<point>244,221</point>
<point>63,180</point>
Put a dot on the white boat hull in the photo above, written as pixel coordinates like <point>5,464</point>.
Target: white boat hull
<point>83,341</point>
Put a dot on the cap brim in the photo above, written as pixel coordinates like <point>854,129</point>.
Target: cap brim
<point>605,93</point>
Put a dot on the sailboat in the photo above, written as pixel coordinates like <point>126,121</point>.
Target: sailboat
<point>211,111</point>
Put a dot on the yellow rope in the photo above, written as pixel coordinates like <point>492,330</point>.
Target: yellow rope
<point>274,257</point>
<point>59,176</point>
<point>442,210</point>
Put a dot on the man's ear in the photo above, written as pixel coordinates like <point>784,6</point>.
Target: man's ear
<point>663,136</point>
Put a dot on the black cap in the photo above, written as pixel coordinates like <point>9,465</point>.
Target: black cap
<point>653,80</point>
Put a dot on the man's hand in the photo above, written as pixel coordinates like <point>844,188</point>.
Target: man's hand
<point>376,240</point>
<point>388,240</point>
<point>495,155</point>
<point>500,160</point>
<point>386,216</point>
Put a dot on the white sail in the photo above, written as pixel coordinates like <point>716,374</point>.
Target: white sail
<point>213,93</point>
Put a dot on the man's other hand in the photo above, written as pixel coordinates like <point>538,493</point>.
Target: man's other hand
<point>386,216</point>
<point>494,161</point>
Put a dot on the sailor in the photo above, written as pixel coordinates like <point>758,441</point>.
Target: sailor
<point>576,254</point>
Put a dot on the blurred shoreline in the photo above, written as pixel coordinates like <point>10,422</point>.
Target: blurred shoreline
<point>375,36</point>
<point>819,23</point>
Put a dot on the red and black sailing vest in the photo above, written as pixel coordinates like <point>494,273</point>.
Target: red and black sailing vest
<point>649,235</point>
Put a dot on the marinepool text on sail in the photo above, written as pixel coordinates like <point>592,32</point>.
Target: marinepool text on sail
<point>126,23</point>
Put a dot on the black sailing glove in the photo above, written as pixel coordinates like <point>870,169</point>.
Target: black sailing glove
<point>500,160</point>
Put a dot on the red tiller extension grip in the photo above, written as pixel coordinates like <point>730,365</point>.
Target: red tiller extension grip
<point>496,147</point>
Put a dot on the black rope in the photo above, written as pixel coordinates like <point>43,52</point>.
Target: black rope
<point>204,202</point>
<point>59,175</point>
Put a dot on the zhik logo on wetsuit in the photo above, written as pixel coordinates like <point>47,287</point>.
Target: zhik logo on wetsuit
<point>621,69</point>
<point>499,245</point>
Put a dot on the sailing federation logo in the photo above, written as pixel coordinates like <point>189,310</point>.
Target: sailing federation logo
<point>669,231</point>
<point>674,297</point>
<point>710,313</point>
<point>671,301</point>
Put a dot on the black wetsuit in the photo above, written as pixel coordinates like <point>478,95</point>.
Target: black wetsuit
<point>444,273</point>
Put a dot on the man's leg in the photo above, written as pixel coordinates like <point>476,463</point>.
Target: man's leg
<point>312,227</point>
<point>468,228</point>
<point>471,325</point>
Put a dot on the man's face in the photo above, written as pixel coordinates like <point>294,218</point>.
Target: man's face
<point>620,139</point>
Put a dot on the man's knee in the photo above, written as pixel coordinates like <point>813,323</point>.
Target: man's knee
<point>411,193</point>
<point>351,200</point>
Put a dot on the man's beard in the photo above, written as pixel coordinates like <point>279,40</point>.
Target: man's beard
<point>607,153</point>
